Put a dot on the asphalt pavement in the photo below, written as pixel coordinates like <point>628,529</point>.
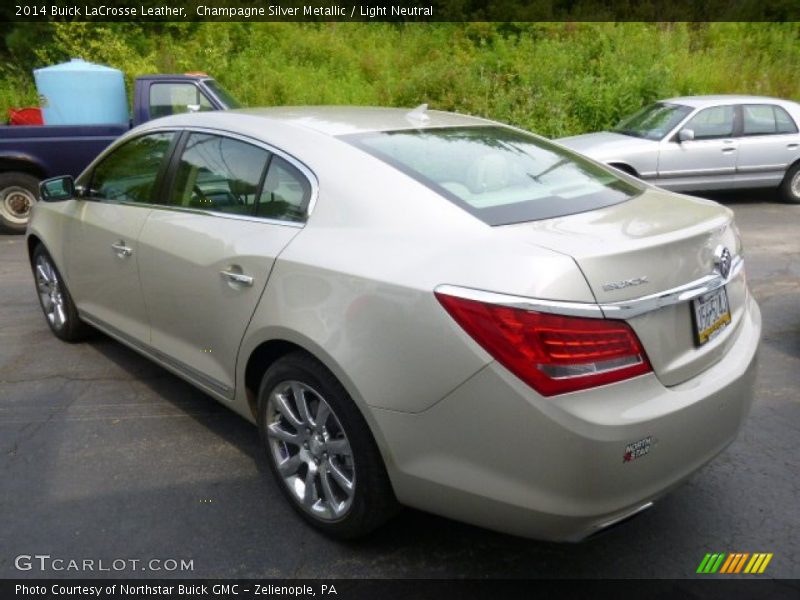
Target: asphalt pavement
<point>105,456</point>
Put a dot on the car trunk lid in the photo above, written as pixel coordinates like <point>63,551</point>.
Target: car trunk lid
<point>655,242</point>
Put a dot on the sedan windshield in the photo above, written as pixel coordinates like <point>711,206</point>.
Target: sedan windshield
<point>498,174</point>
<point>653,122</point>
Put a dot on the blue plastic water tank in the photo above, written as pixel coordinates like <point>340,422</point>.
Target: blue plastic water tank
<point>81,93</point>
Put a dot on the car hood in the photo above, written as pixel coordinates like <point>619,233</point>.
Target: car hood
<point>605,144</point>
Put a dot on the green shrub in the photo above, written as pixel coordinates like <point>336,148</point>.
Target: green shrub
<point>553,78</point>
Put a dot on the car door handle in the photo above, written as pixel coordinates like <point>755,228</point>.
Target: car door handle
<point>728,150</point>
<point>121,249</point>
<point>792,146</point>
<point>234,277</point>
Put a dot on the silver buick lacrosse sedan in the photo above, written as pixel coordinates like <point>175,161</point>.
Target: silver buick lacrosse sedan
<point>416,308</point>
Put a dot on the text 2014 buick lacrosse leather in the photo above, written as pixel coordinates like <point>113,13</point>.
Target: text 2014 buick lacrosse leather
<point>416,308</point>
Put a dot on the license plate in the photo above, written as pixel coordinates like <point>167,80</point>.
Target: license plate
<point>712,314</point>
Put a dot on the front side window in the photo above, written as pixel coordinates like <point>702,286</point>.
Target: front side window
<point>766,119</point>
<point>710,123</point>
<point>175,98</point>
<point>219,174</point>
<point>498,174</point>
<point>129,173</point>
<point>653,122</point>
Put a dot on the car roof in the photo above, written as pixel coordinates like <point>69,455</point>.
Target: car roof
<point>702,101</point>
<point>329,120</point>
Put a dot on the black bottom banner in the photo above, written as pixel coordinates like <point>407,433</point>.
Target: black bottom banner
<point>398,589</point>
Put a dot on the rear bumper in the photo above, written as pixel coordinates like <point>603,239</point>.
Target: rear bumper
<point>495,454</point>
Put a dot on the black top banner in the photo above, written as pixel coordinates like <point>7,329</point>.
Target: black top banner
<point>401,11</point>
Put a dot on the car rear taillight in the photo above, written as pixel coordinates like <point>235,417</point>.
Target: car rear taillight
<point>553,354</point>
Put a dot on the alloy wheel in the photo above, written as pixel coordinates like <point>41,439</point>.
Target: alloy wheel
<point>310,450</point>
<point>50,292</point>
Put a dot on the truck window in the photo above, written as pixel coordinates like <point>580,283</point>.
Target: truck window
<point>175,98</point>
<point>220,92</point>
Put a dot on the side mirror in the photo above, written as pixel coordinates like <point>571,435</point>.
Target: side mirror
<point>686,135</point>
<point>193,108</point>
<point>57,189</point>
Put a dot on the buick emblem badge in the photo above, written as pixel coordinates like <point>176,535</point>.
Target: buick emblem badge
<point>722,260</point>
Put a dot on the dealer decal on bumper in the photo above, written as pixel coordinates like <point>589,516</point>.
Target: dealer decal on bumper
<point>638,449</point>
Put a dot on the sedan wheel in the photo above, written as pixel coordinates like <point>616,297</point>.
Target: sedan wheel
<point>310,450</point>
<point>320,449</point>
<point>790,188</point>
<point>50,295</point>
<point>57,304</point>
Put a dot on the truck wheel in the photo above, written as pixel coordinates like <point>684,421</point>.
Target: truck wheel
<point>790,187</point>
<point>18,194</point>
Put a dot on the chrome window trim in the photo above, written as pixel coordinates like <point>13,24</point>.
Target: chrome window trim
<point>625,309</point>
<point>211,213</point>
<point>304,170</point>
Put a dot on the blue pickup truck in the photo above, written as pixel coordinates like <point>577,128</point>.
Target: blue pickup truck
<point>31,153</point>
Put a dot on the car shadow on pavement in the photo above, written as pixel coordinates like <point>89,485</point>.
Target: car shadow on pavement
<point>733,197</point>
<point>216,417</point>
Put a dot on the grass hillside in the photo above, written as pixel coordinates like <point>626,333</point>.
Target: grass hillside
<point>553,78</point>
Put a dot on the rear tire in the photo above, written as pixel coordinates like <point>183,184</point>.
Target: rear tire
<point>320,449</point>
<point>18,194</point>
<point>790,186</point>
<point>55,300</point>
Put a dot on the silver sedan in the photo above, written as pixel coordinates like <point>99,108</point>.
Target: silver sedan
<point>705,143</point>
<point>415,308</point>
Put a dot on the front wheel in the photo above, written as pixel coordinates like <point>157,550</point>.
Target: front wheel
<point>790,186</point>
<point>18,193</point>
<point>57,304</point>
<point>321,450</point>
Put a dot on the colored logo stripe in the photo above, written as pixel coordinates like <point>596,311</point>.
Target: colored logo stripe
<point>734,563</point>
<point>711,563</point>
<point>758,563</point>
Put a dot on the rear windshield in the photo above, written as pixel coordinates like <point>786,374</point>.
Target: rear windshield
<point>500,175</point>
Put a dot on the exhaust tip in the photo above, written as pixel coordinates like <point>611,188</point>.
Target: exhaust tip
<point>610,524</point>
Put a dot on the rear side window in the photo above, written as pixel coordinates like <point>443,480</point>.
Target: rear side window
<point>219,174</point>
<point>286,192</point>
<point>129,173</point>
<point>766,119</point>
<point>498,174</point>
